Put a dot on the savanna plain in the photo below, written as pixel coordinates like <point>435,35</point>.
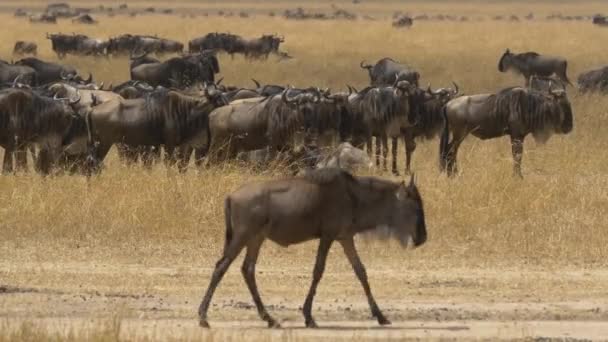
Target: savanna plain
<point>128,255</point>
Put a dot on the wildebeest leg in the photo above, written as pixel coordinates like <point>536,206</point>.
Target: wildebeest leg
<point>248,270</point>
<point>368,144</point>
<point>394,147</point>
<point>353,257</point>
<point>231,251</point>
<point>384,151</point>
<point>169,156</point>
<point>517,148</point>
<point>199,156</point>
<point>7,163</point>
<point>410,146</point>
<point>378,147</point>
<point>44,161</point>
<point>21,159</point>
<point>324,246</point>
<point>184,158</point>
<point>452,153</point>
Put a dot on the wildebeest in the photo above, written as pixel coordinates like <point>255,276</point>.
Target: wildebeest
<point>127,44</point>
<point>85,19</point>
<point>176,72</point>
<point>403,21</point>
<point>25,48</point>
<point>347,157</point>
<point>77,44</point>
<point>164,117</point>
<point>43,18</point>
<point>600,20</point>
<point>327,204</point>
<point>386,71</point>
<point>514,111</point>
<point>47,72</point>
<point>233,44</point>
<point>27,118</point>
<point>545,83</point>
<point>593,80</point>
<point>533,64</point>
<point>9,73</point>
<point>430,120</point>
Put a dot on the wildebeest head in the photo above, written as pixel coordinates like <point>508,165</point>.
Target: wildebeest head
<point>404,91</point>
<point>505,61</point>
<point>215,96</point>
<point>562,104</point>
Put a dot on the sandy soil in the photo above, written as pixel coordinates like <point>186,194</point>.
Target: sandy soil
<point>161,302</point>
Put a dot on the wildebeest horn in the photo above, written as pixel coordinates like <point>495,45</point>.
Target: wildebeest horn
<point>433,92</point>
<point>364,66</point>
<point>70,101</point>
<point>15,80</point>
<point>285,96</point>
<point>257,84</point>
<point>219,81</point>
<point>456,88</point>
<point>396,80</point>
<point>90,79</point>
<point>350,90</point>
<point>63,75</point>
<point>101,86</point>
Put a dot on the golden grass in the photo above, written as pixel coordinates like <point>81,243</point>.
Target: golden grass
<point>555,216</point>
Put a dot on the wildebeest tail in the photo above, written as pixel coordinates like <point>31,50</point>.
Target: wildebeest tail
<point>228,220</point>
<point>566,73</point>
<point>443,142</point>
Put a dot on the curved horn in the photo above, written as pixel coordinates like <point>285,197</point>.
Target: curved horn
<point>257,84</point>
<point>364,66</point>
<point>219,81</point>
<point>101,86</point>
<point>551,88</point>
<point>433,92</point>
<point>15,80</point>
<point>62,75</point>
<point>90,79</point>
<point>456,88</point>
<point>285,96</point>
<point>350,90</point>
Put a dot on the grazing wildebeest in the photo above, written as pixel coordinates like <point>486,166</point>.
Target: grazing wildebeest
<point>233,44</point>
<point>533,64</point>
<point>386,71</point>
<point>593,80</point>
<point>25,48</point>
<point>27,118</point>
<point>514,111</point>
<point>430,122</point>
<point>47,72</point>
<point>164,117</point>
<point>329,205</point>
<point>128,44</point>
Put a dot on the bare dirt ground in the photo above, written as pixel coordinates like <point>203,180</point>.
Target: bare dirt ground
<point>423,301</point>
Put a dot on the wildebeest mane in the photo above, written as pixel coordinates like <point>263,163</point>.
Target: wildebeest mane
<point>283,121</point>
<point>381,104</point>
<point>431,119</point>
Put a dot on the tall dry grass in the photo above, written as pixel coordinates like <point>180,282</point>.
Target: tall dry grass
<point>556,215</point>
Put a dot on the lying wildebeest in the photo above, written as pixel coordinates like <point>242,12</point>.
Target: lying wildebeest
<point>430,120</point>
<point>43,18</point>
<point>593,80</point>
<point>346,157</point>
<point>533,64</point>
<point>327,204</point>
<point>164,117</point>
<point>27,118</point>
<point>85,19</point>
<point>386,71</point>
<point>10,73</point>
<point>268,89</point>
<point>233,44</point>
<point>514,111</point>
<point>25,48</point>
<point>47,72</point>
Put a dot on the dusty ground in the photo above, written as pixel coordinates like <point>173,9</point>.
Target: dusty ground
<point>426,301</point>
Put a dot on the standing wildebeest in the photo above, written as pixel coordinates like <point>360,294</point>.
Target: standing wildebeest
<point>386,71</point>
<point>27,118</point>
<point>514,111</point>
<point>63,44</point>
<point>430,120</point>
<point>128,44</point>
<point>533,64</point>
<point>176,72</point>
<point>25,48</point>
<point>47,72</point>
<point>327,204</point>
<point>163,117</point>
<point>593,80</point>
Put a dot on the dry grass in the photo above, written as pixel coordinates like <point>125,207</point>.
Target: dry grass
<point>555,216</point>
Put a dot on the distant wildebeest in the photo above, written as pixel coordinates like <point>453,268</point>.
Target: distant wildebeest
<point>27,118</point>
<point>85,19</point>
<point>514,111</point>
<point>43,18</point>
<point>327,204</point>
<point>593,80</point>
<point>47,72</point>
<point>127,44</point>
<point>386,71</point>
<point>403,21</point>
<point>233,44</point>
<point>600,20</point>
<point>178,122</point>
<point>77,44</point>
<point>533,64</point>
<point>430,120</point>
<point>25,48</point>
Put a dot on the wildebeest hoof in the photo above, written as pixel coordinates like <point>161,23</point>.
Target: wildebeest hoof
<point>383,320</point>
<point>395,173</point>
<point>203,323</point>
<point>273,324</point>
<point>311,324</point>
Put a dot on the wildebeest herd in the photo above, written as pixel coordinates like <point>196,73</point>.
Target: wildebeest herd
<point>68,123</point>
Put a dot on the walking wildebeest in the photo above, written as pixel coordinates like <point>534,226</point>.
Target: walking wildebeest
<point>593,80</point>
<point>27,118</point>
<point>533,64</point>
<point>387,71</point>
<point>514,111</point>
<point>25,48</point>
<point>327,204</point>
